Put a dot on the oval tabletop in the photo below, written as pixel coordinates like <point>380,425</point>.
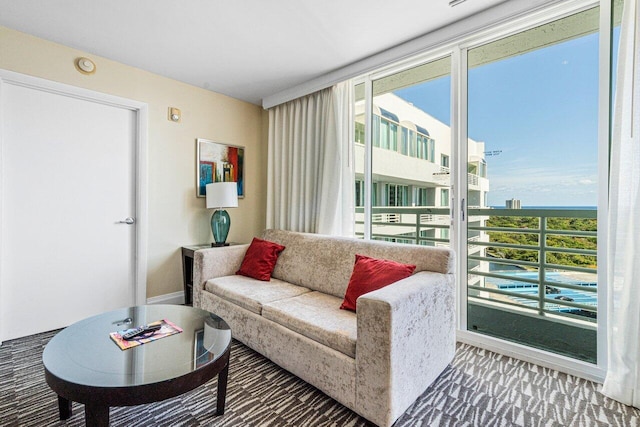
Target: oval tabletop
<point>85,354</point>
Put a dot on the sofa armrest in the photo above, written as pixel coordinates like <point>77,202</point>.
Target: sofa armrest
<point>406,338</point>
<point>215,262</point>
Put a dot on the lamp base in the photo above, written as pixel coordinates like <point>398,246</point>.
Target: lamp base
<point>219,245</point>
<point>220,223</point>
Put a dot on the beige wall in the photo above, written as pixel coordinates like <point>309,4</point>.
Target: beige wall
<point>176,216</point>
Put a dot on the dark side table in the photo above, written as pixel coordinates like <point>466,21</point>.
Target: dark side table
<point>187,268</point>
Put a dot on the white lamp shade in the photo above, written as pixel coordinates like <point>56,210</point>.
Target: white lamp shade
<point>222,195</point>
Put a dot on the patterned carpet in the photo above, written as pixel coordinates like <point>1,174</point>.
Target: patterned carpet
<point>479,389</point>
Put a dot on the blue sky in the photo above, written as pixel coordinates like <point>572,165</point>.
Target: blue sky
<point>541,110</point>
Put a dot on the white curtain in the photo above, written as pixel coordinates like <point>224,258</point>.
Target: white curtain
<point>310,174</point>
<point>623,373</point>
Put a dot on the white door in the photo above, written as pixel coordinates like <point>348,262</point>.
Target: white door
<point>68,180</point>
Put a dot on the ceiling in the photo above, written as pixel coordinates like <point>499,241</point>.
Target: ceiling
<point>247,49</point>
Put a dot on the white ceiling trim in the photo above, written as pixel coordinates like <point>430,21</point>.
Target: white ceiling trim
<point>496,15</point>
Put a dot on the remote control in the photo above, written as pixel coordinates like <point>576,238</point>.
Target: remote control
<point>142,330</point>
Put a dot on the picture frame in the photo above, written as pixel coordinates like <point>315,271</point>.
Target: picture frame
<point>218,162</point>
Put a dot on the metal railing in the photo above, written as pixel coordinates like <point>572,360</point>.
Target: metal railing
<point>535,283</point>
<point>472,179</point>
<point>406,224</point>
<point>547,286</point>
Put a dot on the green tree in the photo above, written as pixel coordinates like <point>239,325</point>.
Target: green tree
<point>524,238</point>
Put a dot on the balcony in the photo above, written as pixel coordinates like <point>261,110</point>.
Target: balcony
<point>539,279</point>
<point>531,273</point>
<point>474,181</point>
<point>407,225</point>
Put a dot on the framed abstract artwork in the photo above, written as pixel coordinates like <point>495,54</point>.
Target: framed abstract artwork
<point>217,162</point>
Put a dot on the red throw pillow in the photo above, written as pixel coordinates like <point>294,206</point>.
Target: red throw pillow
<point>260,259</point>
<point>370,274</point>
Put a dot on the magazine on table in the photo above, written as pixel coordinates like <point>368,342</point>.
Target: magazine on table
<point>150,332</point>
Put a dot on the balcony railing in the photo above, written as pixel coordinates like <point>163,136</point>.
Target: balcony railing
<point>407,224</point>
<point>551,271</point>
<point>538,264</point>
<point>443,175</point>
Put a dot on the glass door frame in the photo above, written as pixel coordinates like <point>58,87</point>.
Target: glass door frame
<point>367,80</point>
<point>457,49</point>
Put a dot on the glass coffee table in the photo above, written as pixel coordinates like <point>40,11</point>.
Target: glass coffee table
<point>83,364</point>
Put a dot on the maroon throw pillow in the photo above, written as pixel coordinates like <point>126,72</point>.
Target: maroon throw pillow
<point>260,259</point>
<point>370,274</point>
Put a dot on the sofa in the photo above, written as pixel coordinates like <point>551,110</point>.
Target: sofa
<point>375,361</point>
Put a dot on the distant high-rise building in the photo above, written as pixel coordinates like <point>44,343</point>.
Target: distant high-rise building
<point>512,204</point>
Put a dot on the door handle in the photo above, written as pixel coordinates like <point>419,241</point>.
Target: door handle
<point>127,220</point>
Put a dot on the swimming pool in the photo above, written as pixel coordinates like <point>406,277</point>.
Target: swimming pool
<point>553,292</point>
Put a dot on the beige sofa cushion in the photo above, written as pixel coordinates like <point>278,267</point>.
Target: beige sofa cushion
<point>325,263</point>
<point>252,294</point>
<point>317,316</point>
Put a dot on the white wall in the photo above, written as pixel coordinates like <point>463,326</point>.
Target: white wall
<point>176,216</point>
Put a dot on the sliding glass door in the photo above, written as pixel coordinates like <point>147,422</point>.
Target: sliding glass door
<point>409,156</point>
<point>492,150</point>
<point>532,265</point>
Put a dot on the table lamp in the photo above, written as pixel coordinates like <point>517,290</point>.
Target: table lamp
<point>221,195</point>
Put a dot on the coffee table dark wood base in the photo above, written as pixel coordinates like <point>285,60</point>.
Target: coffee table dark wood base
<point>65,407</point>
<point>98,400</point>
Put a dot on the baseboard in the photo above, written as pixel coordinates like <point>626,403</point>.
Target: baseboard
<point>172,298</point>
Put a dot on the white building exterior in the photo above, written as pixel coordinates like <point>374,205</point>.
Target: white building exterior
<point>410,169</point>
